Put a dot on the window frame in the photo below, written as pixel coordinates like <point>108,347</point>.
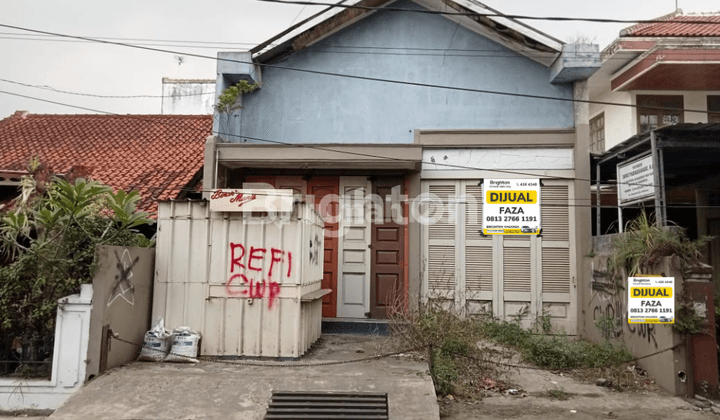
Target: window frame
<point>597,145</point>
<point>648,104</point>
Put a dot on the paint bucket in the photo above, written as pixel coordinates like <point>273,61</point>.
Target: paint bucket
<point>184,346</point>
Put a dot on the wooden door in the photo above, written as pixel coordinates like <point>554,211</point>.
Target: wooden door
<point>319,188</point>
<point>387,247</point>
<point>354,266</point>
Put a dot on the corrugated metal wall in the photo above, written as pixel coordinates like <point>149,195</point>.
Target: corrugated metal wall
<point>240,279</point>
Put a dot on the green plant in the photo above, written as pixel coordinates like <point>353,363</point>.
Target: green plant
<point>456,347</point>
<point>521,313</point>
<point>543,323</point>
<point>444,373</point>
<point>227,100</point>
<point>687,320</point>
<point>590,254</point>
<point>558,394</point>
<point>50,240</point>
<point>606,325</point>
<point>644,244</point>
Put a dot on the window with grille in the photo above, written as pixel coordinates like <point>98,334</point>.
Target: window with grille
<point>655,111</point>
<point>597,133</point>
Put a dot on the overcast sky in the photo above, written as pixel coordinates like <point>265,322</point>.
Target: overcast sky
<point>113,70</point>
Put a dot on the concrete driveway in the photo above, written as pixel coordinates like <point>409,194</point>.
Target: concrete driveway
<point>208,390</point>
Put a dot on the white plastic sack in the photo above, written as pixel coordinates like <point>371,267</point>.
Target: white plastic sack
<point>184,346</point>
<point>156,343</point>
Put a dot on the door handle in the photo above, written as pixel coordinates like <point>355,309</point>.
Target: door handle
<point>370,246</point>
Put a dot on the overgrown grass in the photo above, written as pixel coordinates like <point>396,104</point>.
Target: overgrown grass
<point>553,352</point>
<point>463,358</point>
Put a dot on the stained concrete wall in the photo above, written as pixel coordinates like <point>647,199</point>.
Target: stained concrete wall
<point>188,97</point>
<point>298,107</point>
<point>121,302</point>
<point>602,299</point>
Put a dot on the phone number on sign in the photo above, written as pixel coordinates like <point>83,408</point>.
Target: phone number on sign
<point>511,219</point>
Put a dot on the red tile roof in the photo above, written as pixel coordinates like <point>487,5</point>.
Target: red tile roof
<point>685,28</point>
<point>157,155</point>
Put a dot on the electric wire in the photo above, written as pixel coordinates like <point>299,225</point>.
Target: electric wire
<point>487,15</point>
<point>325,148</point>
<point>364,78</point>
<point>332,49</point>
<point>52,89</point>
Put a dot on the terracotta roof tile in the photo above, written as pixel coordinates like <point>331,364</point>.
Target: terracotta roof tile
<point>155,154</point>
<point>686,28</point>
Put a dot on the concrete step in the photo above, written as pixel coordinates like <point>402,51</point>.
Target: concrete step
<point>362,326</point>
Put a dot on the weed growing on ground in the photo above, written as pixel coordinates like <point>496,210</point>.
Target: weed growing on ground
<point>558,394</point>
<point>458,350</point>
<point>455,348</point>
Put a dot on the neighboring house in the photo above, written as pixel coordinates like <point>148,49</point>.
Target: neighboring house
<point>660,68</point>
<point>188,96</point>
<point>311,129</point>
<point>158,155</point>
<point>669,74</point>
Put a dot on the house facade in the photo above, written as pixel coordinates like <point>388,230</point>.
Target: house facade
<point>391,122</point>
<point>665,73</point>
<point>664,81</point>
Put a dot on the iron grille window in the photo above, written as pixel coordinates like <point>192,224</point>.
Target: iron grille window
<point>656,111</point>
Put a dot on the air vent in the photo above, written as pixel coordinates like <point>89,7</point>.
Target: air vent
<point>327,405</point>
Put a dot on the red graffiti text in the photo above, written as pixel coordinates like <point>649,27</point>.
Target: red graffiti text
<point>256,257</point>
<point>251,260</point>
<point>258,290</point>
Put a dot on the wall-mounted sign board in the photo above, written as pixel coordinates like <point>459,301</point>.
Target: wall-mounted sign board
<point>511,207</point>
<point>239,200</point>
<point>635,180</point>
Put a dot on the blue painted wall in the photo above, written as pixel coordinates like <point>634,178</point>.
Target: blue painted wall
<point>298,107</point>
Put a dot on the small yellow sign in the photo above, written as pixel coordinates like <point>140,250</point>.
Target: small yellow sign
<point>511,197</point>
<point>657,292</point>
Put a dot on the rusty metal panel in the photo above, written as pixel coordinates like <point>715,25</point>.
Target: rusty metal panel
<point>240,279</point>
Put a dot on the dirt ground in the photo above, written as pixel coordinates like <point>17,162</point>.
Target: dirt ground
<point>547,395</point>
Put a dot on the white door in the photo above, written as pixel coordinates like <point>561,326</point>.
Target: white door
<point>354,264</point>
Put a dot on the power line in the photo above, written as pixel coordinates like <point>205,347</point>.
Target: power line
<point>356,77</point>
<point>486,52</point>
<point>174,41</point>
<point>325,148</point>
<point>498,15</point>
<point>452,52</point>
<point>52,89</point>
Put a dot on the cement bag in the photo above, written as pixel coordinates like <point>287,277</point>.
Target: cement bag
<point>156,343</point>
<point>184,346</point>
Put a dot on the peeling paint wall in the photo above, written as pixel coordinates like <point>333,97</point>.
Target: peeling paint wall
<point>505,159</point>
<point>188,97</point>
<point>299,107</point>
